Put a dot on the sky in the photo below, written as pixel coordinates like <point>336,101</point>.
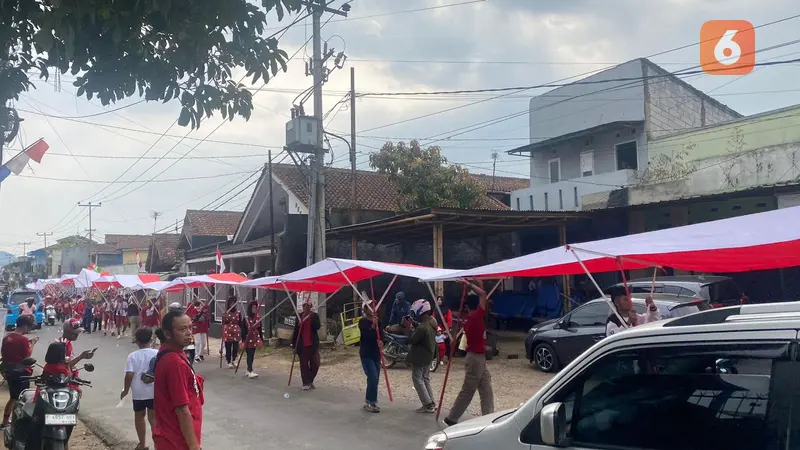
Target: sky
<point>409,46</point>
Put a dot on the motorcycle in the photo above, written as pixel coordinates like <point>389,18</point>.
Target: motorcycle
<point>50,315</point>
<point>54,404</point>
<point>396,349</point>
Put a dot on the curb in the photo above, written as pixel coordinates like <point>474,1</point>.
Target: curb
<point>105,432</point>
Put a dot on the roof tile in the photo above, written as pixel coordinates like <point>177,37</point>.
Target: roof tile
<point>374,192</point>
<point>213,223</point>
<point>128,241</point>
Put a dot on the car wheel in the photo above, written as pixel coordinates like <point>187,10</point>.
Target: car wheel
<point>545,358</point>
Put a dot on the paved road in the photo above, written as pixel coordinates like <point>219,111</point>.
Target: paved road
<point>253,414</point>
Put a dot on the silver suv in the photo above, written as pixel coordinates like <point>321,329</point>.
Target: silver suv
<point>726,378</point>
<point>718,290</point>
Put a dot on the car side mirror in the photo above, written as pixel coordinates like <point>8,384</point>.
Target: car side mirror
<point>28,362</point>
<point>89,367</point>
<point>563,323</point>
<point>553,425</point>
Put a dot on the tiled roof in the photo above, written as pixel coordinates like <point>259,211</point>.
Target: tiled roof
<point>167,247</point>
<point>104,248</point>
<point>374,192</point>
<point>128,241</point>
<point>212,223</point>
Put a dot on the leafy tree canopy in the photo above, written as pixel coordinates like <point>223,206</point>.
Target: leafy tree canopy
<point>161,49</point>
<point>424,178</point>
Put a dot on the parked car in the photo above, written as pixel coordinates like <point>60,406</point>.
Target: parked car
<point>554,343</point>
<point>725,378</point>
<point>718,290</point>
<point>14,300</point>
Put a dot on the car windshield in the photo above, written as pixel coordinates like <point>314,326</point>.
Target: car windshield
<point>721,291</point>
<point>18,298</point>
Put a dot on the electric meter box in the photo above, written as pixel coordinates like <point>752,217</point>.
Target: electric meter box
<point>301,134</point>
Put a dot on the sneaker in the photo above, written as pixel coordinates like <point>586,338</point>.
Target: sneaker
<point>252,375</point>
<point>306,388</point>
<point>231,366</point>
<point>119,336</point>
<point>427,409</point>
<point>197,359</point>
<point>202,358</point>
<point>373,408</point>
<point>311,386</point>
<point>449,422</point>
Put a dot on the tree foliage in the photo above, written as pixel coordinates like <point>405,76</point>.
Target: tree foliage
<point>424,178</point>
<point>163,50</point>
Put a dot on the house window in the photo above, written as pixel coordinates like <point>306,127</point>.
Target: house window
<point>546,203</point>
<point>626,156</point>
<point>530,199</point>
<point>555,170</point>
<point>518,204</point>
<point>575,193</point>
<point>587,163</point>
<point>560,199</point>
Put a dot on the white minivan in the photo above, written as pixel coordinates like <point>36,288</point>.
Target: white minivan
<point>726,378</point>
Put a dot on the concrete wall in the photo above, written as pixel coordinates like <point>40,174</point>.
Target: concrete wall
<point>73,259</point>
<point>596,103</point>
<point>729,173</point>
<point>671,105</point>
<point>745,135</point>
<point>533,199</point>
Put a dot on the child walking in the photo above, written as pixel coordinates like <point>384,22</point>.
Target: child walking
<point>138,363</point>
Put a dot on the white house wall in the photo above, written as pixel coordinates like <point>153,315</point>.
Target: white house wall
<point>578,107</point>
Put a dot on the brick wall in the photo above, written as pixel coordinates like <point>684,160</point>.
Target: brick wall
<point>671,105</point>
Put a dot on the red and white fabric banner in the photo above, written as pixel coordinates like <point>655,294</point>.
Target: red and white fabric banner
<point>197,281</point>
<point>329,275</point>
<point>220,262</point>
<point>135,281</point>
<point>104,282</point>
<point>768,240</point>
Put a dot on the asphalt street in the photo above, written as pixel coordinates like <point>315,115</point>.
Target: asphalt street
<point>250,414</point>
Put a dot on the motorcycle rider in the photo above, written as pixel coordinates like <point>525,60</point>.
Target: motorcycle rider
<point>422,342</point>
<point>71,330</point>
<point>16,347</point>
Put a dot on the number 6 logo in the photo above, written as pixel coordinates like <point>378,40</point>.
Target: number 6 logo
<point>727,47</point>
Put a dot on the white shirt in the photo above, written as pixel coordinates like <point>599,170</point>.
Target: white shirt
<point>138,363</point>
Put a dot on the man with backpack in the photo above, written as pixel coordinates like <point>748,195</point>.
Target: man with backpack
<point>139,384</point>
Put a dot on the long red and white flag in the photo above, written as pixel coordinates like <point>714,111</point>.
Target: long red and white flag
<point>138,259</point>
<point>220,262</point>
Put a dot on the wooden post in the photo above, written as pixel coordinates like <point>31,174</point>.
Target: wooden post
<point>438,254</point>
<point>565,279</point>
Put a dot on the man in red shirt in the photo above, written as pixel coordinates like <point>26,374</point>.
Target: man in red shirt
<point>178,391</point>
<point>201,322</point>
<point>15,348</point>
<point>477,375</point>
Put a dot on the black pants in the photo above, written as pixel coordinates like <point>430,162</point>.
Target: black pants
<point>231,351</point>
<point>251,355</point>
<point>98,324</point>
<point>87,324</point>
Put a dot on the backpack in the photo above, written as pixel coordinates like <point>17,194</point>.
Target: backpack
<point>149,377</point>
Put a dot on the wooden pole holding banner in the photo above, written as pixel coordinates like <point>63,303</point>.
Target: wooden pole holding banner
<point>452,351</point>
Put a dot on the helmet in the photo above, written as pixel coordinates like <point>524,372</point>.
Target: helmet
<point>72,325</point>
<point>174,306</point>
<point>420,307</point>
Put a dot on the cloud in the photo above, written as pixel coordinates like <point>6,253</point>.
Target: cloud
<point>521,42</point>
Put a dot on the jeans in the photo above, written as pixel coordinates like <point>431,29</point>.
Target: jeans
<point>86,323</point>
<point>231,350</point>
<point>421,376</point>
<point>251,355</point>
<point>476,378</point>
<point>372,369</point>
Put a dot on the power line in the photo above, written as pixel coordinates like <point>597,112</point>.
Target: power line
<point>86,116</point>
<point>231,189</point>
<point>251,155</point>
<point>128,182</point>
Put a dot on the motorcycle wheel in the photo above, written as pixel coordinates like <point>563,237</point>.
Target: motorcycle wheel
<point>388,360</point>
<point>54,445</point>
<point>434,363</point>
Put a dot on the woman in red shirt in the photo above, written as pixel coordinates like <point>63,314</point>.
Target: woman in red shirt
<point>252,336</point>
<point>150,315</point>
<point>201,322</point>
<point>232,330</point>
<point>178,391</point>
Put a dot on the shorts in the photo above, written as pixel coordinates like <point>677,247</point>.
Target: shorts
<point>16,386</point>
<point>141,405</point>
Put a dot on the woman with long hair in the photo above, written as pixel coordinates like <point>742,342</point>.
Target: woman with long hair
<point>252,337</point>
<point>231,330</point>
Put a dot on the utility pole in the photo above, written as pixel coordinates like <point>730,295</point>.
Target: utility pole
<point>272,255</point>
<point>90,205</point>
<point>316,207</point>
<point>44,235</point>
<point>24,254</point>
<point>155,215</point>
<point>353,200</point>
